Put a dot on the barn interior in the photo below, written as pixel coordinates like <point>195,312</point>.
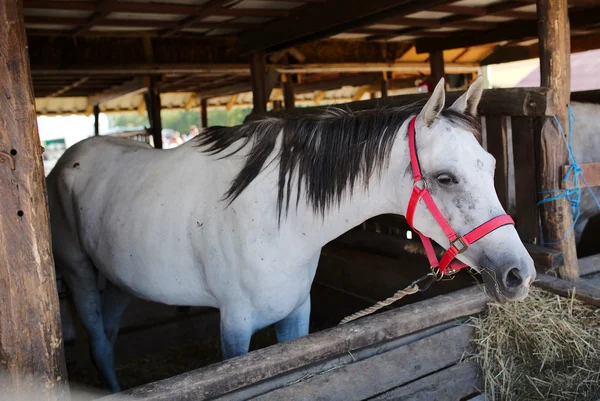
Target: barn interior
<point>91,57</point>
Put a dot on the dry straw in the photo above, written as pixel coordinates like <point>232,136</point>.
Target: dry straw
<point>544,348</point>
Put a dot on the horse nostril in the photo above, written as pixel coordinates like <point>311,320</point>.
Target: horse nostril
<point>513,279</point>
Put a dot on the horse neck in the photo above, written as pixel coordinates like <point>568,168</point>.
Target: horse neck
<point>385,193</point>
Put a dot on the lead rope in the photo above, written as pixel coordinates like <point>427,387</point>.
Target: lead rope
<point>428,279</point>
<point>411,289</point>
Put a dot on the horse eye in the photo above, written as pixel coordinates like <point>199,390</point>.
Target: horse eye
<point>447,179</point>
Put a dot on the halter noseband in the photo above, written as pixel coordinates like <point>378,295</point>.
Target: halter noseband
<point>458,244</point>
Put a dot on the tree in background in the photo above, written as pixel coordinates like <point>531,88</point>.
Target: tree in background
<point>180,120</point>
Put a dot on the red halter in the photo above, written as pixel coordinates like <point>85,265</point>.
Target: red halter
<point>458,244</point>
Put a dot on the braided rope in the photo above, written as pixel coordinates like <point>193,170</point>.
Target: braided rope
<point>411,289</point>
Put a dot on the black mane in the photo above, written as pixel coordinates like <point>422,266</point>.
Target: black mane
<point>326,151</point>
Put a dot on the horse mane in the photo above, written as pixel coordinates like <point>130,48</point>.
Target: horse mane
<point>327,151</point>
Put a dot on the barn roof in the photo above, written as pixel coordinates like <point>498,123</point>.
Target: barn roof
<point>96,49</point>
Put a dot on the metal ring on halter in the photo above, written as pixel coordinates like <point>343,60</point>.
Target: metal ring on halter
<point>422,185</point>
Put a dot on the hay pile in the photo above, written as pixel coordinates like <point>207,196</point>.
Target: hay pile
<point>544,348</point>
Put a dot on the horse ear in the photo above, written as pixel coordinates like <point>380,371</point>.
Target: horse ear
<point>434,105</point>
<point>469,101</point>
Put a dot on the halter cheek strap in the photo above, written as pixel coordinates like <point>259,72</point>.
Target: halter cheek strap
<point>458,244</point>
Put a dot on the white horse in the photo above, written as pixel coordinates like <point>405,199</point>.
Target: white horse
<point>586,149</point>
<point>243,231</point>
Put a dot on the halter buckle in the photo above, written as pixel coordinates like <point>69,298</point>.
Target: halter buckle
<point>460,248</point>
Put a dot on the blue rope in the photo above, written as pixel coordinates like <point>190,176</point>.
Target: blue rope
<point>575,173</point>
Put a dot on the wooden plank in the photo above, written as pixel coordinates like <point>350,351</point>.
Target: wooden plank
<point>337,362</point>
<point>328,19</point>
<point>583,292</point>
<point>497,146</point>
<point>555,68</point>
<point>494,102</point>
<point>32,365</point>
<point>452,384</point>
<point>136,85</point>
<point>589,265</point>
<point>591,172</point>
<point>525,162</point>
<point>257,77</point>
<point>380,373</point>
<point>268,362</point>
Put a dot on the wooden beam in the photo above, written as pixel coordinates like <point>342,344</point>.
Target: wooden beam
<point>497,102</point>
<point>136,85</point>
<point>152,99</point>
<point>140,23</point>
<point>203,113</point>
<point>514,30</point>
<point>555,66</point>
<point>257,77</point>
<point>95,18</point>
<point>231,102</point>
<point>591,172</point>
<point>31,348</point>
<point>505,54</point>
<point>336,83</point>
<point>243,69</point>
<point>154,8</point>
<point>206,10</point>
<point>96,119</point>
<point>69,87</point>
<point>360,93</point>
<point>284,357</point>
<point>331,18</point>
<point>190,102</point>
<point>319,97</point>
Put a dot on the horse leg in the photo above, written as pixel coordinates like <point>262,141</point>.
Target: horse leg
<point>114,302</point>
<point>295,324</point>
<point>82,281</point>
<point>236,332</point>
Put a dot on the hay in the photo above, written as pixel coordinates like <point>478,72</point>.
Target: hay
<point>544,348</point>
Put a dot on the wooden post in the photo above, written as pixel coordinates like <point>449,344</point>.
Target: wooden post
<point>204,113</point>
<point>152,99</point>
<point>258,77</point>
<point>436,63</point>
<point>32,363</point>
<point>555,68</point>
<point>96,119</point>
<point>277,105</point>
<point>288,91</point>
<point>384,85</point>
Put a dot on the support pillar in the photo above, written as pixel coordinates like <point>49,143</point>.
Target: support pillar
<point>436,64</point>
<point>204,113</point>
<point>555,68</point>
<point>384,84</point>
<point>152,99</point>
<point>258,77</point>
<point>31,348</point>
<point>288,91</point>
<point>96,119</point>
